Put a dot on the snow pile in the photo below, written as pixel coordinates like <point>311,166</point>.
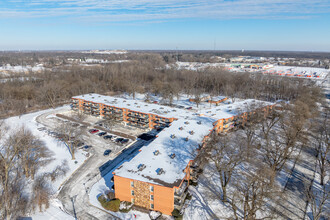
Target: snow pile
<point>154,215</point>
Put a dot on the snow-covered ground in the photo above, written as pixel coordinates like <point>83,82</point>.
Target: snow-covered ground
<point>90,60</point>
<point>60,154</point>
<point>21,69</point>
<point>106,51</point>
<point>291,71</point>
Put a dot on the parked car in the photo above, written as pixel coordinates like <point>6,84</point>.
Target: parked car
<point>107,152</point>
<point>118,140</point>
<point>189,108</point>
<point>124,141</point>
<point>93,131</point>
<point>86,147</point>
<point>102,133</point>
<point>106,137</point>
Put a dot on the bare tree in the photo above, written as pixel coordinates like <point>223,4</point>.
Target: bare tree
<point>226,154</point>
<point>318,201</point>
<point>252,193</point>
<point>322,146</point>
<point>32,152</point>
<point>68,134</point>
<point>41,193</point>
<point>17,149</point>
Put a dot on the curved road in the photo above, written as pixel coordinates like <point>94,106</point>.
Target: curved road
<point>74,191</point>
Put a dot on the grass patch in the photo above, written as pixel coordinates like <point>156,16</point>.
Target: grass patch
<point>111,205</point>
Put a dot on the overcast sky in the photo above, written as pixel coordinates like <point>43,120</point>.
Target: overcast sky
<point>165,24</point>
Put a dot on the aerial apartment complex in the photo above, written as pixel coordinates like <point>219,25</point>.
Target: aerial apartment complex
<point>157,178</point>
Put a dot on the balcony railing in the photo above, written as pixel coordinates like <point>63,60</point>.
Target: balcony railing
<point>181,191</point>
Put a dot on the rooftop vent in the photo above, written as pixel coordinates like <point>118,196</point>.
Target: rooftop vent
<point>172,136</point>
<point>141,166</point>
<point>160,171</point>
<point>172,156</point>
<point>156,152</point>
<point>186,122</point>
<point>199,122</point>
<point>180,128</point>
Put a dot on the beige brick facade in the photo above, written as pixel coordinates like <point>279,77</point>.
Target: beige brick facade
<point>142,194</point>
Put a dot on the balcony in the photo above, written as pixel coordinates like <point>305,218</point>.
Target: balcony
<point>178,202</point>
<point>87,104</point>
<point>179,193</point>
<point>95,106</point>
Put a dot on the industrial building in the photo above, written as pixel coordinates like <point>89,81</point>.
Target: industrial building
<point>157,178</point>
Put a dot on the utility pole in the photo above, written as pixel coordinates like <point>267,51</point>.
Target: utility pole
<point>74,210</point>
<point>177,55</point>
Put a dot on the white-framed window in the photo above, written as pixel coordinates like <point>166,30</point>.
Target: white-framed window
<point>132,192</point>
<point>152,206</point>
<point>132,184</point>
<point>132,200</point>
<point>151,188</point>
<point>152,197</point>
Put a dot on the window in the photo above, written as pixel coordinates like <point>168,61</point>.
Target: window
<point>152,206</point>
<point>132,200</point>
<point>132,184</point>
<point>152,197</point>
<point>132,192</point>
<point>151,188</point>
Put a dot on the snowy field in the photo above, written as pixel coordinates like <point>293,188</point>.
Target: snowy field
<point>20,69</point>
<point>60,154</point>
<point>291,71</point>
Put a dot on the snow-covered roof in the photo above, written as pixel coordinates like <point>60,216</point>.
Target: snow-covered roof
<point>171,151</point>
<point>176,145</point>
<point>134,105</point>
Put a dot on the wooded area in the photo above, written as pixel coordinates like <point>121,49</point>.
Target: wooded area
<point>146,74</point>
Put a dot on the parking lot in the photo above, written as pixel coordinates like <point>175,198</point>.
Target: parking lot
<point>93,139</point>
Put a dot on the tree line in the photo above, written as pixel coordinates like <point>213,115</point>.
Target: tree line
<point>148,75</point>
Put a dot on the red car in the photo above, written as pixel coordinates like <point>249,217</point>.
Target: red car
<point>93,131</point>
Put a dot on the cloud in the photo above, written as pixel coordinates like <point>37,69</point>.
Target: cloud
<point>155,10</point>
